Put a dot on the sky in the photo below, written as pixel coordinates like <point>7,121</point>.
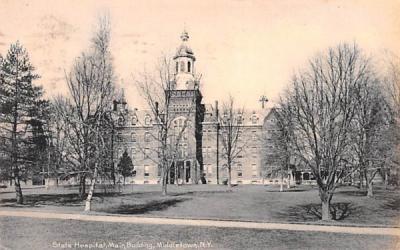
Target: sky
<point>243,48</point>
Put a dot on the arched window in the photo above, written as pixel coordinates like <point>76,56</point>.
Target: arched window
<point>189,67</point>
<point>182,66</point>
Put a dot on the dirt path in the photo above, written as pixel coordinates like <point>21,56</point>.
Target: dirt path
<point>204,223</point>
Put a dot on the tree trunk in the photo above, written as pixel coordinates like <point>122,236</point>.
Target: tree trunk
<point>370,189</point>
<point>18,190</point>
<point>281,186</point>
<point>164,178</point>
<point>229,176</point>
<point>176,171</point>
<point>88,204</point>
<point>386,179</point>
<point>326,203</point>
<point>82,186</point>
<point>196,177</point>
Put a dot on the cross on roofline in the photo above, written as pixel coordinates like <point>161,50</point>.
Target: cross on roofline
<point>263,100</point>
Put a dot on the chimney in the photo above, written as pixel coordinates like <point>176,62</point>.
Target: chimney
<point>115,103</point>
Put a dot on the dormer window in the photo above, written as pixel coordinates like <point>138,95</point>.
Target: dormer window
<point>239,120</point>
<point>134,120</point>
<point>254,119</point>
<point>147,120</point>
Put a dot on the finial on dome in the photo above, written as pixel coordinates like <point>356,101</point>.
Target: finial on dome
<point>185,35</point>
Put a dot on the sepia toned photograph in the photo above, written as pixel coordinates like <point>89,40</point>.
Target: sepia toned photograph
<point>231,124</point>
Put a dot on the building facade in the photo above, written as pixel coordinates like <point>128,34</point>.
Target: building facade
<point>199,151</point>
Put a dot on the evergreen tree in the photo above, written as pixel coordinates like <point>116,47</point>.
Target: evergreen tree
<point>19,101</point>
<point>125,166</point>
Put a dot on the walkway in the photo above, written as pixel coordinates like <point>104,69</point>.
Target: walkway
<point>204,223</point>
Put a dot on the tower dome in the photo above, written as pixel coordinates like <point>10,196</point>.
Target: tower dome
<point>184,50</point>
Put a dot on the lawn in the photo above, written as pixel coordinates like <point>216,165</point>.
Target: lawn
<point>28,233</point>
<point>245,202</point>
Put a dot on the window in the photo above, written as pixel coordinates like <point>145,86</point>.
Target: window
<point>189,67</point>
<point>185,151</point>
<point>133,137</point>
<point>133,152</point>
<point>240,120</point>
<point>182,66</point>
<point>239,170</point>
<point>254,135</point>
<point>254,170</point>
<point>134,120</point>
<point>146,171</point>
<point>119,137</point>
<point>147,137</point>
<point>146,153</point>
<point>177,67</point>
<point>121,121</point>
<point>147,120</point>
<point>207,151</point>
<point>254,119</point>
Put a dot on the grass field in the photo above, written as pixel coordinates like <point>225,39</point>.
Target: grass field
<point>27,233</point>
<point>246,202</point>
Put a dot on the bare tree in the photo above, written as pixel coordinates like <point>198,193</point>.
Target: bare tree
<point>91,88</point>
<point>158,91</point>
<point>277,148</point>
<point>231,129</point>
<point>371,132</point>
<point>321,105</point>
<point>391,84</point>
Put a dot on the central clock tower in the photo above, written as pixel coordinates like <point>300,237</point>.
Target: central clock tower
<point>186,114</point>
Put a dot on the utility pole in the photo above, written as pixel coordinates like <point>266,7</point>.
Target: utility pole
<point>217,117</point>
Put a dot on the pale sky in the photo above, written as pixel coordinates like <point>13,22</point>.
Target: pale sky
<point>243,48</point>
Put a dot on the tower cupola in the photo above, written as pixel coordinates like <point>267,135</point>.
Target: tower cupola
<point>184,64</point>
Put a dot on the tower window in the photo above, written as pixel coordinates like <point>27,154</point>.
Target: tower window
<point>182,66</point>
<point>189,67</point>
<point>177,67</point>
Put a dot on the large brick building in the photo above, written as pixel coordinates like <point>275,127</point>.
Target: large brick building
<point>200,151</point>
